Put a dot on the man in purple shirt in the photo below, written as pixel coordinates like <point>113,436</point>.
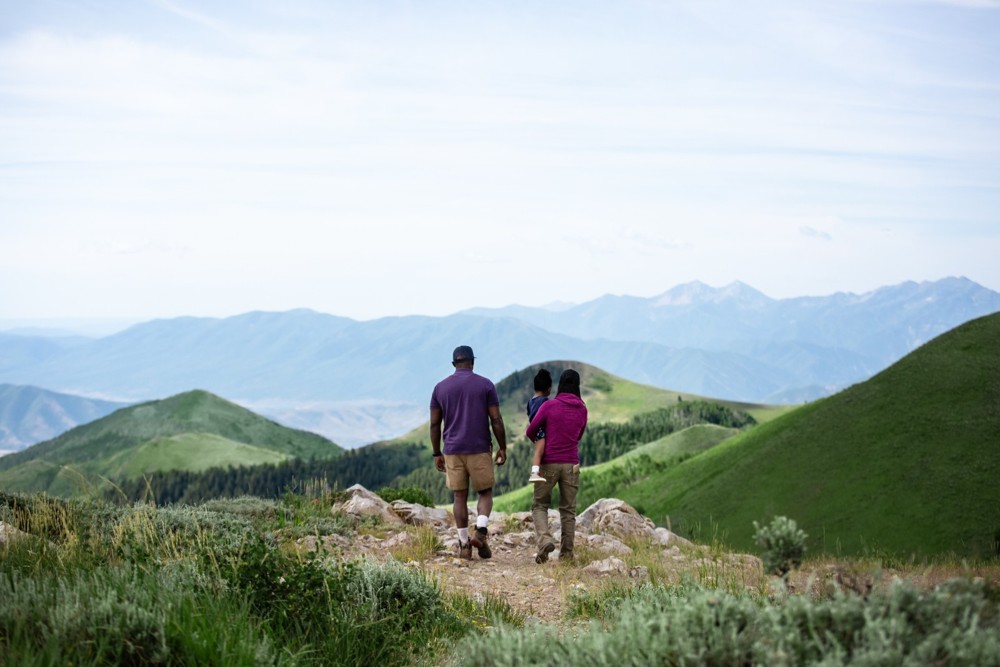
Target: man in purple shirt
<point>468,406</point>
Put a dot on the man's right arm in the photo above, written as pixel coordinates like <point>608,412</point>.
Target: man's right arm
<point>436,417</point>
<point>499,432</point>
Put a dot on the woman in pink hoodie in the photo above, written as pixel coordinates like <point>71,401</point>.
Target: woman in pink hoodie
<point>563,419</point>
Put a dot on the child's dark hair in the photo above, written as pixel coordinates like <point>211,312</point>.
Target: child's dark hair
<point>543,380</point>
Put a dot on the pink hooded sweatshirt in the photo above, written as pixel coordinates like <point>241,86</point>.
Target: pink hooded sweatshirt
<point>564,419</point>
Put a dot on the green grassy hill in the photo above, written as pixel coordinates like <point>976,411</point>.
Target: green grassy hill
<point>906,463</point>
<point>191,431</point>
<point>610,400</point>
<point>613,478</point>
<point>619,412</point>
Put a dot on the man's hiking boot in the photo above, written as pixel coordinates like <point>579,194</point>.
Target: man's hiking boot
<point>535,478</point>
<point>465,551</point>
<point>543,552</point>
<point>480,540</point>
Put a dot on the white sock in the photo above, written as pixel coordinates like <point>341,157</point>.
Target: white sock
<point>534,469</point>
<point>482,520</point>
<point>463,535</point>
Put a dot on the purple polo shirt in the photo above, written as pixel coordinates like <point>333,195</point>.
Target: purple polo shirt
<point>464,399</point>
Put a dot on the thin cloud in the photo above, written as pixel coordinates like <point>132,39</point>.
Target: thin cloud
<point>813,233</point>
<point>193,16</point>
<point>973,4</point>
<point>332,140</point>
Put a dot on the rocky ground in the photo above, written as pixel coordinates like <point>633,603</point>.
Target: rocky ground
<point>614,544</point>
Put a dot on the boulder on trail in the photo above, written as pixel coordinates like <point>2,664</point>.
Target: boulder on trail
<point>363,503</point>
<point>416,514</point>
<point>611,516</point>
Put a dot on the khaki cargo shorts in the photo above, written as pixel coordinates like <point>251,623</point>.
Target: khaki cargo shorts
<point>463,467</point>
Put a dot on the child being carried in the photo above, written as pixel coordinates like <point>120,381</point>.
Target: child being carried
<point>543,387</point>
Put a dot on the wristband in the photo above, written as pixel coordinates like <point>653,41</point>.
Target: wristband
<point>436,454</point>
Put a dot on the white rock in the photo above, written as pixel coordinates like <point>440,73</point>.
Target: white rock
<point>417,515</point>
<point>612,516</point>
<point>9,533</point>
<point>363,503</point>
<point>664,537</point>
<point>607,566</point>
<point>396,540</point>
<point>607,543</point>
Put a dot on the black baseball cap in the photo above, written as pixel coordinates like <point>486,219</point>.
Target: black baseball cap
<point>462,353</point>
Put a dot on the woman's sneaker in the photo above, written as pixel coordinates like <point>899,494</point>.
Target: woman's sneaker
<point>535,478</point>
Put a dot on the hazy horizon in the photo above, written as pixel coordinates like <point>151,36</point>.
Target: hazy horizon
<point>162,158</point>
<point>102,326</point>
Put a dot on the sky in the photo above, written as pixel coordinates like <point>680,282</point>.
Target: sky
<point>161,158</point>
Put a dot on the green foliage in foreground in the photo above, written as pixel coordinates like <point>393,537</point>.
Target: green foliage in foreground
<point>783,544</point>
<point>956,624</point>
<point>95,584</point>
<point>411,494</point>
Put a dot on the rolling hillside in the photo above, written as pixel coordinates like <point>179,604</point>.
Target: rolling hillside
<point>615,406</point>
<point>906,463</point>
<point>609,398</point>
<point>190,431</point>
<point>359,382</point>
<point>613,478</point>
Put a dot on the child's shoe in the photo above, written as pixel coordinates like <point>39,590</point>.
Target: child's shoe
<point>535,478</point>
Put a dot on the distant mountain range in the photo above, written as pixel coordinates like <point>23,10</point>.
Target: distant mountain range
<point>373,379</point>
<point>29,414</point>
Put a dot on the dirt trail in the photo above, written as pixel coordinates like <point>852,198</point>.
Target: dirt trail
<point>542,592</point>
<point>538,591</point>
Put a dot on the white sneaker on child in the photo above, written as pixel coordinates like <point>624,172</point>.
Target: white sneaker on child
<point>535,478</point>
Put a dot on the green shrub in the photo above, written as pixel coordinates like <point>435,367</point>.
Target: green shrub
<point>485,610</point>
<point>126,615</point>
<point>411,494</point>
<point>339,612</point>
<point>784,545</point>
<point>250,507</point>
<point>391,588</point>
<point>954,624</point>
<point>202,585</point>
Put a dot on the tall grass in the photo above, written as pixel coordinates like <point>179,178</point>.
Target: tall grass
<point>89,583</point>
<point>954,624</point>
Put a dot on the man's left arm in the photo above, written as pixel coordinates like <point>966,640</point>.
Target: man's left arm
<point>499,432</point>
